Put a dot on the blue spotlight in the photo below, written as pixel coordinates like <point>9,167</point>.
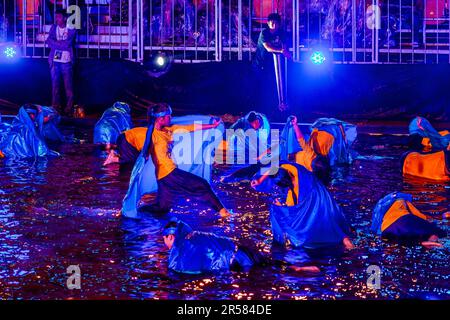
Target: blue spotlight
<point>318,57</point>
<point>9,52</point>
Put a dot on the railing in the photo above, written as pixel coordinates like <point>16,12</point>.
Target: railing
<point>346,31</point>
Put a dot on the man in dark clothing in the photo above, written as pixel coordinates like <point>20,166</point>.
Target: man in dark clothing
<point>272,40</point>
<point>61,40</point>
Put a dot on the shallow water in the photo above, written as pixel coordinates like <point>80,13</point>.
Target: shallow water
<point>64,211</point>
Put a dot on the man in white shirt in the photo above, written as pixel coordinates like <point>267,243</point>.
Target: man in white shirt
<point>61,40</point>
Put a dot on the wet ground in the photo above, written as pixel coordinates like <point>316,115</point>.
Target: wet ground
<point>65,211</point>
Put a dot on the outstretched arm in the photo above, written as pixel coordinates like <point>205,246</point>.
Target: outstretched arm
<point>271,48</point>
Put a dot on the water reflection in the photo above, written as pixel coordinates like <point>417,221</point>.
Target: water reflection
<point>63,211</point>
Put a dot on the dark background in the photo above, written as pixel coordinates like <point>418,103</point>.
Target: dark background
<point>371,92</point>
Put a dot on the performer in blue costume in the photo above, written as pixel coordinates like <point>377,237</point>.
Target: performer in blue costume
<point>333,138</point>
<point>173,174</point>
<point>195,252</point>
<point>309,216</point>
<point>247,150</point>
<point>329,138</point>
<point>113,121</point>
<point>293,146</point>
<point>50,130</point>
<point>396,218</point>
<point>431,138</point>
<point>25,137</point>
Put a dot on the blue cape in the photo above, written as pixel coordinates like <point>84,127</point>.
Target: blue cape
<point>427,131</point>
<point>25,138</point>
<point>288,141</point>
<point>143,177</point>
<point>383,206</point>
<point>316,221</point>
<point>113,121</point>
<point>196,252</point>
<point>340,152</point>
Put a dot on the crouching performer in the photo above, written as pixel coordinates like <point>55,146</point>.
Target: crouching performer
<point>195,252</point>
<point>114,120</point>
<point>127,147</point>
<point>308,216</point>
<point>396,218</point>
<point>25,137</point>
<point>426,165</point>
<point>156,170</point>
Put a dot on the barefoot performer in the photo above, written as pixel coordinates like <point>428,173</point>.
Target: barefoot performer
<point>196,252</point>
<point>396,218</point>
<point>308,217</point>
<point>171,182</point>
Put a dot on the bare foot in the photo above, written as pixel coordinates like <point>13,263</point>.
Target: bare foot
<point>312,269</point>
<point>112,158</point>
<point>224,213</point>
<point>348,244</point>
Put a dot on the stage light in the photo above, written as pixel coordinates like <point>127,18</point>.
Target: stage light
<point>318,57</point>
<point>160,61</point>
<point>9,52</point>
<point>157,64</point>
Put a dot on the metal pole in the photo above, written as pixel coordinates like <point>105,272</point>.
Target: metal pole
<point>24,27</point>
<point>295,30</point>
<point>218,29</point>
<point>239,29</point>
<point>130,29</point>
<point>353,30</point>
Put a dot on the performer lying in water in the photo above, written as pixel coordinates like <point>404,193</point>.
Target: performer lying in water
<point>396,218</point>
<point>308,216</point>
<point>127,147</point>
<point>173,182</point>
<point>431,165</point>
<point>196,252</point>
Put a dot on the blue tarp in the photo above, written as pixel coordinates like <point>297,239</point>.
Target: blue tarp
<point>113,121</point>
<point>288,141</point>
<point>316,221</point>
<point>50,130</point>
<point>426,130</point>
<point>25,137</point>
<point>4,127</point>
<point>383,206</point>
<point>196,252</point>
<point>143,177</point>
<point>340,152</point>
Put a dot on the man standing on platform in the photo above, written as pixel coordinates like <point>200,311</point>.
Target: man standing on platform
<point>61,41</point>
<point>272,40</point>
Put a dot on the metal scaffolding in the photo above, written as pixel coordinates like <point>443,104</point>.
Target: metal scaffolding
<point>347,31</point>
